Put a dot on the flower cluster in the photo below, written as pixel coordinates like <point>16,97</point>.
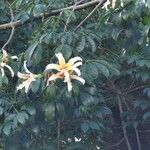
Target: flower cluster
<point>67,71</point>
<point>4,63</point>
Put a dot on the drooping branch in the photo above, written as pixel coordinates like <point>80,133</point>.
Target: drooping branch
<point>12,29</point>
<point>52,13</point>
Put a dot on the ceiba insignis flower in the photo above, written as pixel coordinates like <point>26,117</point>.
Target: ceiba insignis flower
<point>28,77</point>
<point>4,62</point>
<point>66,70</point>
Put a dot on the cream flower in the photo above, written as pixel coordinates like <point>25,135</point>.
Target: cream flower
<point>66,70</point>
<point>3,64</point>
<point>28,77</point>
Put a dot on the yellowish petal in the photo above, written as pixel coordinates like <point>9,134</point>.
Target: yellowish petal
<point>77,78</point>
<point>22,75</point>
<point>10,69</point>
<point>75,59</point>
<point>53,77</point>
<point>52,66</point>
<point>3,73</point>
<point>5,55</point>
<point>2,64</point>
<point>60,59</point>
<point>67,76</point>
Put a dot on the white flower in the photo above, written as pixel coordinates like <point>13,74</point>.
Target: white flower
<point>66,70</point>
<point>3,64</point>
<point>28,77</point>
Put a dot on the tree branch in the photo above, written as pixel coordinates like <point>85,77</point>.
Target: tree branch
<point>52,13</point>
<point>88,16</point>
<point>12,31</point>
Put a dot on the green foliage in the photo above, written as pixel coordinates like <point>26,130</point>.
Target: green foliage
<point>115,47</point>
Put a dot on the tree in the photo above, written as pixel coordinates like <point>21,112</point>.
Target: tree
<point>45,103</point>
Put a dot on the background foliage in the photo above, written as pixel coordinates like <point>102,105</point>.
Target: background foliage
<point>113,105</point>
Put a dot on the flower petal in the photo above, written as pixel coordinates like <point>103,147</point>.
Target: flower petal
<point>53,77</point>
<point>60,59</point>
<point>25,67</point>
<point>5,55</point>
<point>3,73</point>
<point>77,64</point>
<point>77,71</point>
<point>77,78</point>
<point>52,66</point>
<point>22,75</point>
<point>67,76</point>
<point>14,58</point>
<point>75,59</point>
<point>69,86</point>
<point>10,69</point>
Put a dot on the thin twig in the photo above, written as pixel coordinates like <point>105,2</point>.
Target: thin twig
<point>12,31</point>
<point>116,144</point>
<point>123,123</point>
<point>138,138</point>
<point>67,22</point>
<point>58,134</point>
<point>46,15</point>
<point>90,14</point>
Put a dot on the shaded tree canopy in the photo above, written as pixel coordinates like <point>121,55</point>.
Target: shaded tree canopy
<point>74,74</point>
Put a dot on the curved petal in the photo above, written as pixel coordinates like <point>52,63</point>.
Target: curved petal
<point>10,69</point>
<point>25,67</point>
<point>5,55</point>
<point>77,71</point>
<point>2,64</point>
<point>3,73</point>
<point>27,85</point>
<point>22,75</point>
<point>77,64</point>
<point>69,86</point>
<point>67,76</point>
<point>53,77</point>
<point>60,59</point>
<point>52,66</point>
<point>14,58</point>
<point>75,59</point>
<point>77,78</point>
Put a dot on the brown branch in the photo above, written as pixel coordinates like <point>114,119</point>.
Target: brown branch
<point>138,138</point>
<point>67,22</point>
<point>52,13</point>
<point>123,123</point>
<point>58,134</point>
<point>101,2</point>
<point>12,31</point>
<point>118,143</point>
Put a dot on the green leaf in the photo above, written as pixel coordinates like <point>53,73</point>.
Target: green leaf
<point>50,112</point>
<point>38,9</point>
<point>31,110</point>
<point>85,127</point>
<point>29,52</point>
<point>35,85</point>
<point>1,110</point>
<point>146,115</point>
<point>7,128</point>
<point>94,125</point>
<point>81,45</point>
<point>92,44</point>
<point>21,117</point>
<point>50,92</point>
<point>65,50</point>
